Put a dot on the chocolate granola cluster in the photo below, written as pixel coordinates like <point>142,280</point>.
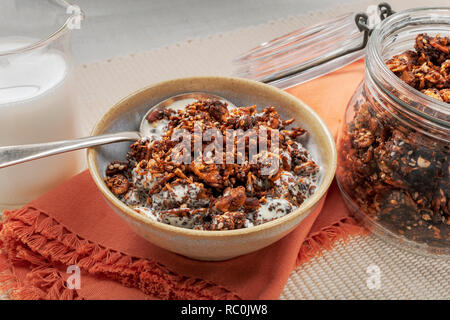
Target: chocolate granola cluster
<point>428,68</point>
<point>206,195</point>
<point>397,175</point>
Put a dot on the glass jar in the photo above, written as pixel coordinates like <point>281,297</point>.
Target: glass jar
<point>36,93</point>
<point>394,145</point>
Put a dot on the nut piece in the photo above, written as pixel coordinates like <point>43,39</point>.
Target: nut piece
<point>421,162</point>
<point>251,204</point>
<point>118,184</point>
<point>217,110</point>
<point>364,138</point>
<point>232,201</point>
<point>208,173</point>
<point>434,93</point>
<point>116,167</point>
<point>155,116</point>
<point>227,221</point>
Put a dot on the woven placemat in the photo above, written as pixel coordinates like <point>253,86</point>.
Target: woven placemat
<point>341,273</point>
<point>369,268</point>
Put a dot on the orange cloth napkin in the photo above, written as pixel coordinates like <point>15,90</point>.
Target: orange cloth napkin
<point>72,225</point>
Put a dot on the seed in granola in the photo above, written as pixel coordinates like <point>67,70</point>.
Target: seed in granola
<point>421,162</point>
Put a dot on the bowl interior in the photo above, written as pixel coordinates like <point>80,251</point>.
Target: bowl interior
<point>127,115</point>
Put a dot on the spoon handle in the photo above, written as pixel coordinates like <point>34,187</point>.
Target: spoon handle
<point>12,155</point>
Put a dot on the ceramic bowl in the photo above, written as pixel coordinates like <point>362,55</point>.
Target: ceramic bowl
<point>212,245</point>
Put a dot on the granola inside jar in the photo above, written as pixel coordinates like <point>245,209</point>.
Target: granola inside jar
<point>394,145</point>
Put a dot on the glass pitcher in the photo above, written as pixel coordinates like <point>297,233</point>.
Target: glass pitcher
<point>36,98</point>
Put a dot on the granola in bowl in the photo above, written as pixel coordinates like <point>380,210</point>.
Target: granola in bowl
<point>215,181</point>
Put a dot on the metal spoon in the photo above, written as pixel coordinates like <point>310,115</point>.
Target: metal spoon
<point>12,155</point>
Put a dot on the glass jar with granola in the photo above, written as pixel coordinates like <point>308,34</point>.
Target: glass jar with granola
<point>394,145</point>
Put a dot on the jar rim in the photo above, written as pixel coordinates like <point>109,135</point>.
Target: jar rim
<point>74,16</point>
<point>374,55</point>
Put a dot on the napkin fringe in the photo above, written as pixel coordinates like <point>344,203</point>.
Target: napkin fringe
<point>7,279</point>
<point>318,243</point>
<point>30,236</point>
